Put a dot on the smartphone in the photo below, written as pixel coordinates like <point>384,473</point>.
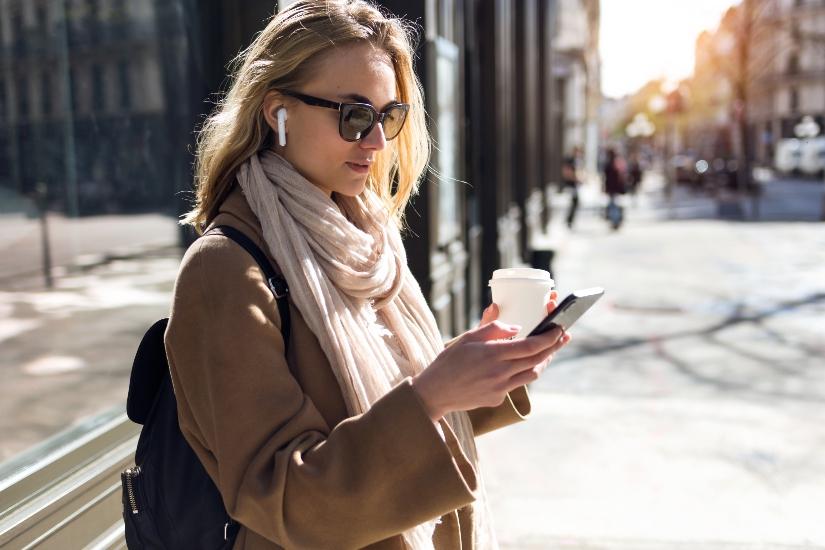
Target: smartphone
<point>569,310</point>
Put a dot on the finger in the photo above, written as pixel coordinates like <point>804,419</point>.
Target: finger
<point>495,330</point>
<point>509,350</point>
<point>546,363</point>
<point>489,314</point>
<point>556,348</point>
<point>520,379</point>
<point>543,365</point>
<point>526,347</point>
<point>561,342</point>
<point>552,302</point>
<point>526,363</point>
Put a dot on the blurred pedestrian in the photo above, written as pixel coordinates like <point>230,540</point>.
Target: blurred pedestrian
<point>570,181</point>
<point>363,433</point>
<point>614,185</point>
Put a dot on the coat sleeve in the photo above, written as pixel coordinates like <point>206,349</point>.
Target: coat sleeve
<point>281,470</point>
<point>515,408</point>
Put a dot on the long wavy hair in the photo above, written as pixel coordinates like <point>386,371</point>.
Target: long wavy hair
<point>282,56</point>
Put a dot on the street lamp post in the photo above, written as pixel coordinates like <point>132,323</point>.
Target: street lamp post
<point>671,102</point>
<point>657,105</point>
<point>640,126</point>
<point>39,197</point>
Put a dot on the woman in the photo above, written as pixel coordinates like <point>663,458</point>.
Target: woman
<point>358,435</point>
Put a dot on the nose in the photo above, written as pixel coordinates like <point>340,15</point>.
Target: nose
<point>375,140</point>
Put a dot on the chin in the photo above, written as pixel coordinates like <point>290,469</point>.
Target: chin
<point>353,188</point>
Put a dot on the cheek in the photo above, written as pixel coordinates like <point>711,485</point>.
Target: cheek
<point>330,153</point>
<point>321,156</point>
<point>319,149</point>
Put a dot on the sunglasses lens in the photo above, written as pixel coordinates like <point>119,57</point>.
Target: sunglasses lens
<point>355,121</point>
<point>394,121</point>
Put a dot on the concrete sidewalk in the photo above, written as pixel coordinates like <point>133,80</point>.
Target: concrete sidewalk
<point>689,410</point>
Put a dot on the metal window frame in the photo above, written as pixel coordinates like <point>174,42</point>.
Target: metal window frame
<point>65,492</point>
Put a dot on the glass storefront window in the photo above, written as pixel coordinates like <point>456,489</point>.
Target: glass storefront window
<point>98,103</point>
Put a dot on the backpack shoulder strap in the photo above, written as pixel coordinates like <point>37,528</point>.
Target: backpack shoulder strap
<point>276,281</point>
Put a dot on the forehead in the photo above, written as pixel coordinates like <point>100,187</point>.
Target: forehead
<point>358,69</point>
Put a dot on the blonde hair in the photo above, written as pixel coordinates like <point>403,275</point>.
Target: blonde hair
<point>280,57</point>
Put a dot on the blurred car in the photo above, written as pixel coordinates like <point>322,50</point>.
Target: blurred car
<point>812,156</point>
<point>682,167</point>
<point>788,155</point>
<point>689,169</point>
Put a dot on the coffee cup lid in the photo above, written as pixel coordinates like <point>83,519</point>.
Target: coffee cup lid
<point>521,273</point>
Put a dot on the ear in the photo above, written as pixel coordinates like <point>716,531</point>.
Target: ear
<point>272,102</point>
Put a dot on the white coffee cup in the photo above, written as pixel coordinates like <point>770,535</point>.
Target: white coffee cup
<point>521,294</point>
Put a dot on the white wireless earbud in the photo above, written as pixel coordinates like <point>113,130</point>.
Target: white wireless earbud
<point>282,126</point>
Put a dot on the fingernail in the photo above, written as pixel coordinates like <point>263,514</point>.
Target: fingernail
<point>514,328</point>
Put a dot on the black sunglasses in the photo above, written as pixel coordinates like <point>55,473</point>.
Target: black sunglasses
<point>356,120</point>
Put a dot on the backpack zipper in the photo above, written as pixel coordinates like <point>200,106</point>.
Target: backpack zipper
<point>130,489</point>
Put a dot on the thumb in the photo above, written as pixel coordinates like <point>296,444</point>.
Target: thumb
<point>494,330</point>
<point>490,314</point>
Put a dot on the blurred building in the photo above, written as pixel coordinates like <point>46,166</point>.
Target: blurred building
<point>71,71</point>
<point>789,71</point>
<point>772,53</point>
<point>578,72</point>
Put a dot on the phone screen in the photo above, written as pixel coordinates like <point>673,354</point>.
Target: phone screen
<point>569,310</point>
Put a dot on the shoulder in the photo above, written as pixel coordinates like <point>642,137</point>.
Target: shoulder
<point>215,257</point>
<point>216,272</point>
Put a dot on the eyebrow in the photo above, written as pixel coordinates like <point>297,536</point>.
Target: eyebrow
<point>362,99</point>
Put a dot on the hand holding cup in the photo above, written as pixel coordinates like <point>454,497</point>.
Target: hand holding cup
<point>483,365</point>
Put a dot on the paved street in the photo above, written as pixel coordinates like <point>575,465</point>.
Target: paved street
<point>688,410</point>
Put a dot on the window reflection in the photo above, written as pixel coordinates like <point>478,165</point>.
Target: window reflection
<point>86,79</point>
<point>94,132</point>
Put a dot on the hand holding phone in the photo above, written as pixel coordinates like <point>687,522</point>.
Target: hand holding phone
<point>569,310</point>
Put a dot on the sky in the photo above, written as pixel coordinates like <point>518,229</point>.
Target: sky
<point>641,40</point>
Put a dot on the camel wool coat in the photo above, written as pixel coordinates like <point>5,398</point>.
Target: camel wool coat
<point>271,429</point>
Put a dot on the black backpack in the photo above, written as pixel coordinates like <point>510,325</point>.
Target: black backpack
<point>169,501</point>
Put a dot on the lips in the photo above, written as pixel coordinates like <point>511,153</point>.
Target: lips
<point>361,168</point>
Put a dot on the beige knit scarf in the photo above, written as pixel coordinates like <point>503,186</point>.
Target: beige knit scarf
<point>348,276</point>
